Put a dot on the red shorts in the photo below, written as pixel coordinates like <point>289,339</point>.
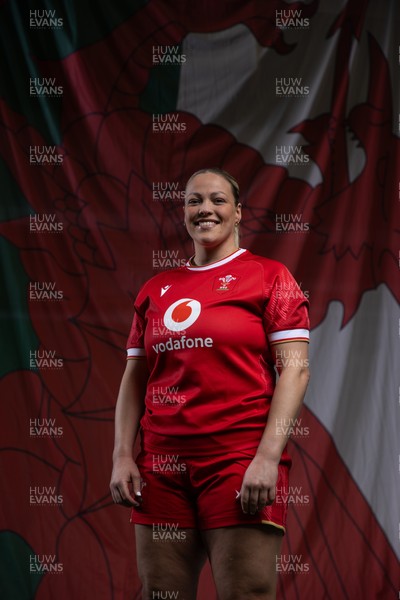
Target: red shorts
<point>202,492</point>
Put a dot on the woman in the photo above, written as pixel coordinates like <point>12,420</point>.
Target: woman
<point>200,382</point>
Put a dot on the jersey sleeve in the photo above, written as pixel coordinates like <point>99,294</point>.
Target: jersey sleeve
<point>286,309</point>
<point>135,344</point>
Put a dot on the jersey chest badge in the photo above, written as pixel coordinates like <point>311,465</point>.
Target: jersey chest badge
<point>225,283</point>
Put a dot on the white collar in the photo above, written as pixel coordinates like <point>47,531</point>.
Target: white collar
<point>216,264</point>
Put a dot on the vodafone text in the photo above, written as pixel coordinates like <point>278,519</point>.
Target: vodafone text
<point>182,343</point>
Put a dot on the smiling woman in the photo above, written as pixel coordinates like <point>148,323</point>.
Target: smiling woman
<point>218,351</point>
<point>212,214</point>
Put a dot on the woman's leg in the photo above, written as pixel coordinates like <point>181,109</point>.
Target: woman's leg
<point>169,561</point>
<point>243,561</point>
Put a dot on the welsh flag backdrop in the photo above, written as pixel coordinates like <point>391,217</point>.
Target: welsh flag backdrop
<point>105,110</point>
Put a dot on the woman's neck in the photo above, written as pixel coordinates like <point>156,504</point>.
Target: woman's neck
<point>205,256</point>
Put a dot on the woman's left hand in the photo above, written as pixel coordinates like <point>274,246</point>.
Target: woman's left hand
<point>258,487</point>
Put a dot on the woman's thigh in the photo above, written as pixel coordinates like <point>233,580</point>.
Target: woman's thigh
<point>169,561</point>
<point>243,561</point>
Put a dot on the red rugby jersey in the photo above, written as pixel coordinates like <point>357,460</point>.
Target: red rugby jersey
<point>206,332</point>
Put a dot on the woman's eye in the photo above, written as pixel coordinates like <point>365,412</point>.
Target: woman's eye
<point>193,201</point>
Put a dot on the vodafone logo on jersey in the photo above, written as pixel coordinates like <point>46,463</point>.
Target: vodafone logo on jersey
<point>182,314</point>
<point>179,316</point>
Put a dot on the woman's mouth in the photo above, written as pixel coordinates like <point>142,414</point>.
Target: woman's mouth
<point>206,224</point>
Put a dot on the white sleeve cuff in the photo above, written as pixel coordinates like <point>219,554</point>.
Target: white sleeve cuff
<point>289,335</point>
<point>136,352</point>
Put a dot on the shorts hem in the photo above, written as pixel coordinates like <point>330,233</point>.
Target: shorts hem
<point>224,524</point>
<point>142,520</point>
<point>280,527</point>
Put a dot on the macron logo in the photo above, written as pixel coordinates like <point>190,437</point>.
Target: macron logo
<point>164,289</point>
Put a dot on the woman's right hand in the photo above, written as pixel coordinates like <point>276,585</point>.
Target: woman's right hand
<point>125,484</point>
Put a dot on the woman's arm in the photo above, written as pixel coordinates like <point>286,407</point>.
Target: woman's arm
<point>258,487</point>
<point>128,412</point>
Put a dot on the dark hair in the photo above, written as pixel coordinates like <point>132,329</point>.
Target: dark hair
<point>227,176</point>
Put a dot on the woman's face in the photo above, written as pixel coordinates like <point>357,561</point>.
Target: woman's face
<point>210,211</point>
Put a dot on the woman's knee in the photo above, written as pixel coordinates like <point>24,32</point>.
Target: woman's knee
<point>181,582</point>
<point>241,585</point>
